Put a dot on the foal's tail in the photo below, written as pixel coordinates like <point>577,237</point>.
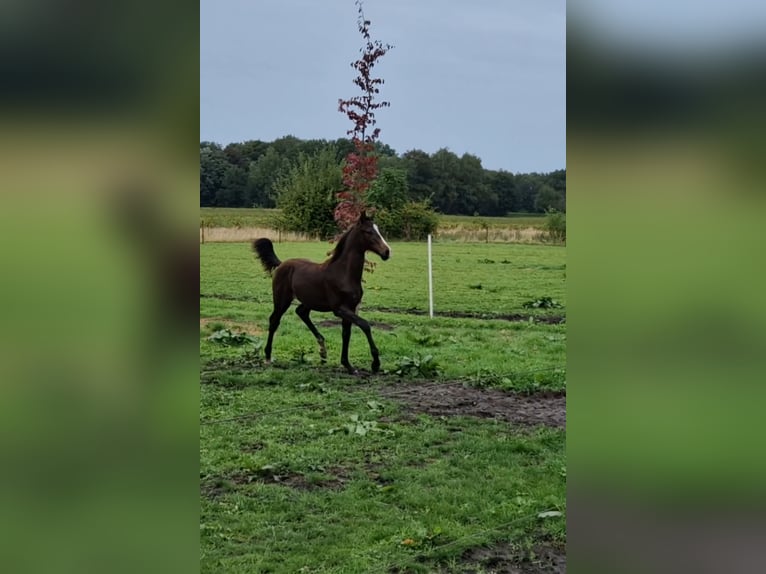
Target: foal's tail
<point>264,249</point>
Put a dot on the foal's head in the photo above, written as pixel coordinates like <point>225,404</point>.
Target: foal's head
<point>371,238</point>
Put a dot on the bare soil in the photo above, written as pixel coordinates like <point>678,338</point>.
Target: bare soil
<point>516,317</point>
<point>335,478</point>
<point>504,559</point>
<point>213,487</point>
<point>451,399</point>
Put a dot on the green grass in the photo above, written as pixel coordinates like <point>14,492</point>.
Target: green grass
<point>439,484</point>
<point>509,275</point>
<point>510,221</point>
<point>237,217</point>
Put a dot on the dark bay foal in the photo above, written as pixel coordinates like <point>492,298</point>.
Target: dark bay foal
<point>333,286</point>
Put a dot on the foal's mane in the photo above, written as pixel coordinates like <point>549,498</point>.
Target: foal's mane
<point>341,245</point>
<point>338,251</point>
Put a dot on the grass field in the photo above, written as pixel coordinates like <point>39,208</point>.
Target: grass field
<point>446,462</point>
<point>237,217</point>
<point>236,224</point>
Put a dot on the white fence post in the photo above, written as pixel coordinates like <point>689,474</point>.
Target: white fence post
<point>430,282</point>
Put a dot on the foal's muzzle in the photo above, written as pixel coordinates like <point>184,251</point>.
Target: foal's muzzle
<point>385,255</point>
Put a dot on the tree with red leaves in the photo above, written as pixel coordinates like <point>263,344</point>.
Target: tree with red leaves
<point>361,166</point>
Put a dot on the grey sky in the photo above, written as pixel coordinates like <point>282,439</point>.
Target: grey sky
<point>487,77</point>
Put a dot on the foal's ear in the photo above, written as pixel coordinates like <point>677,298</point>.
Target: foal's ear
<point>364,217</point>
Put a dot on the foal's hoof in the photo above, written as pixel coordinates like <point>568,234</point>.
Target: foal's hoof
<point>375,366</point>
<point>357,372</point>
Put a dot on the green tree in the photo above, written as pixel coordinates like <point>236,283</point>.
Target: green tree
<point>453,184</point>
<point>420,174</point>
<point>252,150</point>
<point>312,147</point>
<point>212,167</point>
<point>289,147</point>
<point>343,147</point>
<point>389,190</point>
<point>503,186</point>
<point>558,181</point>
<point>384,150</point>
<point>527,185</point>
<point>549,199</point>
<point>444,182</point>
<point>473,193</point>
<point>235,156</point>
<point>306,194</point>
<point>232,190</point>
<point>262,176</point>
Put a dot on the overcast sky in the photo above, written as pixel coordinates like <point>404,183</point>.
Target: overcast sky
<point>487,77</point>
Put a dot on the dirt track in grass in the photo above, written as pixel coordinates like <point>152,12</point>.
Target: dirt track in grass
<point>503,558</point>
<point>450,399</point>
<point>513,317</point>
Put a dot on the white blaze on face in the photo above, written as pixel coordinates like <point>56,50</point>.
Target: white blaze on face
<point>377,230</point>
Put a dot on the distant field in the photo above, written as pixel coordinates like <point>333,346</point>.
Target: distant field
<point>237,217</point>
<point>239,224</point>
<point>514,220</point>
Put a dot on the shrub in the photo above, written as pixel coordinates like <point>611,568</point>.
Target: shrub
<point>412,221</point>
<point>306,195</point>
<point>556,225</point>
<point>397,217</point>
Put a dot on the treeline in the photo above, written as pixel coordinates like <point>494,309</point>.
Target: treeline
<point>247,175</point>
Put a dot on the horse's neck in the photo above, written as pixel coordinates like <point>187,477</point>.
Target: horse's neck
<point>352,262</point>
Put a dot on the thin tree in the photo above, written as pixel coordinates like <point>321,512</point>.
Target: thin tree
<point>361,166</point>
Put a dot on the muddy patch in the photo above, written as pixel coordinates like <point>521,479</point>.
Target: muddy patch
<point>515,317</point>
<point>548,408</point>
<point>215,486</point>
<point>503,558</point>
<point>334,478</point>
<point>373,324</point>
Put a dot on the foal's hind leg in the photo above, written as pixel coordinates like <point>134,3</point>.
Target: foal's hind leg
<point>303,312</point>
<point>281,304</point>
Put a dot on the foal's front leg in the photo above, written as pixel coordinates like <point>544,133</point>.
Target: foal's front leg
<point>348,317</point>
<point>346,337</point>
